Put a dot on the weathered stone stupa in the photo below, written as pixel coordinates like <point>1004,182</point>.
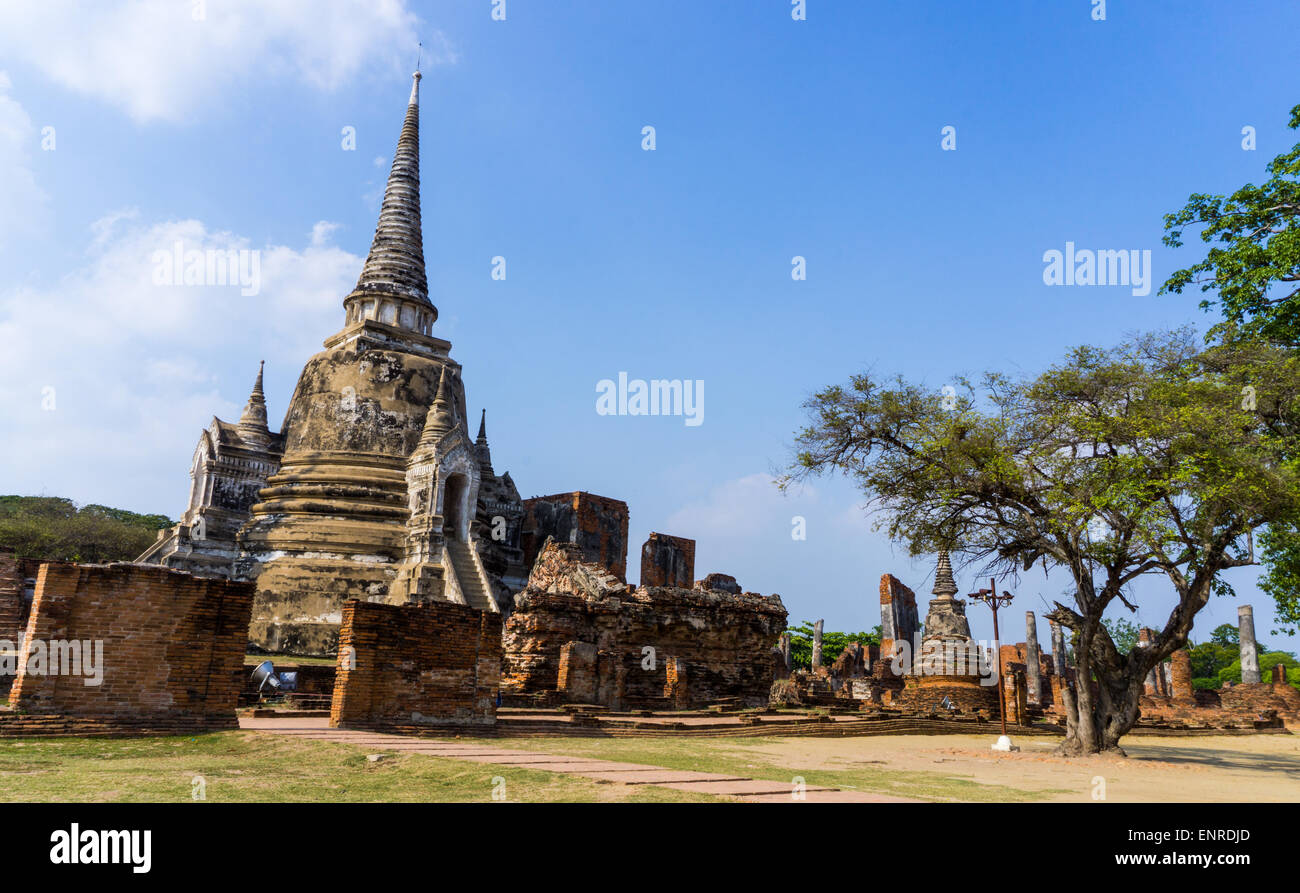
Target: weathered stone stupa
<point>949,664</point>
<point>368,486</point>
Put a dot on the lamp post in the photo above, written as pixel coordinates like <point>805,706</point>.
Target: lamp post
<point>994,600</point>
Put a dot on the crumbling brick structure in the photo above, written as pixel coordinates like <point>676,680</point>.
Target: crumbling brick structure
<point>899,620</point>
<point>412,667</point>
<point>13,613</point>
<point>717,643</point>
<point>596,524</point>
<point>668,561</point>
<point>166,647</point>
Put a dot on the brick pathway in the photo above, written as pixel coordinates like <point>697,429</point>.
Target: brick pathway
<point>740,788</point>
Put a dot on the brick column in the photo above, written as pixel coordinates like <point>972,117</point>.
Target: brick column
<point>1181,677</point>
<point>1249,650</point>
<point>1013,678</point>
<point>817,644</point>
<point>1033,673</point>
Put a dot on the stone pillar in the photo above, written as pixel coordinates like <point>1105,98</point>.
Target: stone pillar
<point>1249,650</point>
<point>817,644</point>
<point>1058,647</point>
<point>1058,696</point>
<point>668,561</point>
<point>785,652</point>
<point>1180,677</point>
<point>1166,680</point>
<point>1033,672</point>
<point>1279,674</point>
<point>1150,687</point>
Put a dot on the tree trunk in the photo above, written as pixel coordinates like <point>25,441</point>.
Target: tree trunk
<point>1096,720</point>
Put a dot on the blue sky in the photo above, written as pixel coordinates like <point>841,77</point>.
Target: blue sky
<point>774,138</point>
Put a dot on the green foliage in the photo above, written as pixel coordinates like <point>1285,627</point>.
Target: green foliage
<point>833,644</point>
<point>1280,554</point>
<point>1252,274</point>
<point>1253,268</point>
<point>54,528</point>
<point>1226,634</point>
<point>1123,632</point>
<point>1232,672</point>
<point>1141,459</point>
<point>1210,658</point>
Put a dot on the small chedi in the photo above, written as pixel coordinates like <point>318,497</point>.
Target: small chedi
<point>949,667</point>
<point>944,674</point>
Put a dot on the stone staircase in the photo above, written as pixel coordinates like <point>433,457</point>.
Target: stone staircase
<point>467,575</point>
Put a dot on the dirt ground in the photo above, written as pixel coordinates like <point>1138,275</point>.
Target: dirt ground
<point>1249,768</point>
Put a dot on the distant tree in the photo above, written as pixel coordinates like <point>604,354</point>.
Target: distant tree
<point>1114,464</point>
<point>1226,634</point>
<point>1232,672</point>
<point>1123,633</point>
<point>833,644</point>
<point>1210,658</point>
<point>53,528</point>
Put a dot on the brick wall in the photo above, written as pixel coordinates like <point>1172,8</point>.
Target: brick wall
<point>898,617</point>
<point>13,614</point>
<point>723,640</point>
<point>577,674</point>
<point>668,561</point>
<point>1181,678</point>
<point>596,524</point>
<point>171,648</point>
<point>416,666</point>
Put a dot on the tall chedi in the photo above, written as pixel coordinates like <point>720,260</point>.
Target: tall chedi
<point>332,522</point>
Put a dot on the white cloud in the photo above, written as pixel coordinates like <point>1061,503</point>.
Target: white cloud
<point>135,369</point>
<point>161,59</point>
<point>744,507</point>
<point>25,204</point>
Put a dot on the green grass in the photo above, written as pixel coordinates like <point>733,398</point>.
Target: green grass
<point>740,756</point>
<point>251,767</point>
<point>288,660</point>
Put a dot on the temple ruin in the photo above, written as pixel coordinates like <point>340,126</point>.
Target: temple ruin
<point>373,487</point>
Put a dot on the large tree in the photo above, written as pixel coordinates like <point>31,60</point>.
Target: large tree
<point>1157,457</point>
<point>1251,274</point>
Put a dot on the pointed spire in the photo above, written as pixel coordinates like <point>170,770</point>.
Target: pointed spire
<point>252,422</point>
<point>481,449</point>
<point>394,268</point>
<point>442,414</point>
<point>944,585</point>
